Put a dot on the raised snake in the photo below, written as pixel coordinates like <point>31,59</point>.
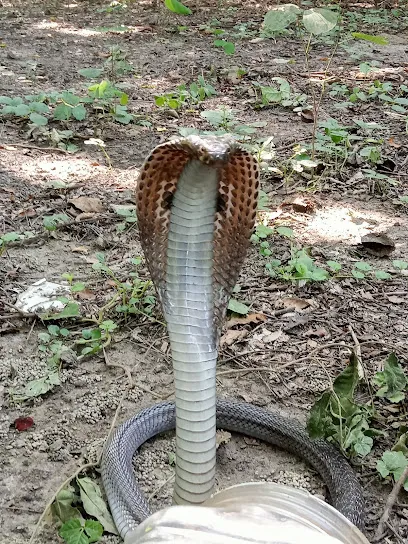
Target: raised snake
<point>196,208</point>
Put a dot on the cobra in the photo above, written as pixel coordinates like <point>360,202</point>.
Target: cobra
<point>196,207</point>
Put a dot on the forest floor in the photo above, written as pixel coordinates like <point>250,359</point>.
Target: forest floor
<point>70,213</point>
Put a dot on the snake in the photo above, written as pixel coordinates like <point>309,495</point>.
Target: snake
<point>196,205</point>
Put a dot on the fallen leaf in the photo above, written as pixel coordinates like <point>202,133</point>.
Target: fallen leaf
<point>83,216</point>
<point>250,318</point>
<point>232,336</point>
<point>295,302</point>
<point>87,204</point>
<point>307,116</point>
<point>396,300</point>
<point>86,294</point>
<point>23,423</point>
<point>393,143</point>
<point>94,504</point>
<point>80,249</point>
<point>222,437</point>
<point>271,336</point>
<point>379,244</point>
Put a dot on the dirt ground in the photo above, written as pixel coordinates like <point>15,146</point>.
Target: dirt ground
<point>43,45</point>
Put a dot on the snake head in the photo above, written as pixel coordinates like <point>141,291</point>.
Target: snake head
<point>214,151</point>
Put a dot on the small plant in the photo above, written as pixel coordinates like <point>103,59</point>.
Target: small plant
<point>197,92</point>
<point>315,21</point>
<point>338,417</point>
<point>393,463</point>
<point>300,268</point>
<point>391,381</point>
<point>228,47</point>
<point>280,95</point>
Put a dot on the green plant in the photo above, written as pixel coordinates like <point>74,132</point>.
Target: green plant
<point>52,222</point>
<point>116,64</point>
<point>391,381</point>
<point>7,238</point>
<point>228,47</point>
<point>76,531</point>
<point>197,92</point>
<point>300,268</point>
<point>393,463</point>
<point>338,417</point>
<point>280,95</point>
<point>108,99</point>
<point>315,21</point>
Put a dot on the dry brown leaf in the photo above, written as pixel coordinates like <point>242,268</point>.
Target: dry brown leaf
<point>270,337</point>
<point>250,318</point>
<point>83,216</point>
<point>87,204</point>
<point>379,244</point>
<point>80,249</point>
<point>295,302</point>
<point>222,437</point>
<point>307,116</point>
<point>86,294</point>
<point>232,336</point>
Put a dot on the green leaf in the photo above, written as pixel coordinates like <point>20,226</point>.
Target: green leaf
<point>51,222</point>
<point>362,266</point>
<point>73,532</point>
<point>39,107</point>
<point>379,40</point>
<point>63,508</point>
<point>229,47</point>
<point>285,231</point>
<point>11,237</point>
<point>401,265</point>
<point>94,504</point>
<point>177,7</point>
<point>77,287</point>
<point>320,423</point>
<point>5,100</point>
<point>319,20</point>
<point>281,17</point>
<point>93,529</point>
<point>90,73</point>
<point>394,463</point>
<point>362,444</point>
<point>262,231</point>
<point>53,330</point>
<point>382,275</point>
<point>79,112</point>
<point>22,110</point>
<point>237,307</point>
<point>70,310</point>
<point>346,382</point>
<point>38,120</point>
<point>335,266</point>
<point>62,112</point>
<point>392,380</point>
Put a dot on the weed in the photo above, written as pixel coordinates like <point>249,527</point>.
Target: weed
<point>280,95</point>
<point>197,92</point>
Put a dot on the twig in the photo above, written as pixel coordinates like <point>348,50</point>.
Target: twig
<point>295,361</point>
<point>125,368</point>
<point>37,148</point>
<point>357,351</point>
<point>392,497</point>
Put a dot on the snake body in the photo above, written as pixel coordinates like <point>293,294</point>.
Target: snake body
<point>196,207</point>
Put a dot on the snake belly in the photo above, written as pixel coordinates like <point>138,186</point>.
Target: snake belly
<point>196,207</point>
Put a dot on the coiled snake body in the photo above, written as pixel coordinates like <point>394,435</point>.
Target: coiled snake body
<point>196,208</point>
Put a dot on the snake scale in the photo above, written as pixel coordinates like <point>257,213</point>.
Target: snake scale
<point>196,206</point>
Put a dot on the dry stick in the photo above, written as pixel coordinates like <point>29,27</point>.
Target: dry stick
<point>357,350</point>
<point>82,467</point>
<point>392,497</point>
<point>319,348</point>
<point>27,146</point>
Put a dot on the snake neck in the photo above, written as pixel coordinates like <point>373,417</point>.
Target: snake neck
<point>188,308</point>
